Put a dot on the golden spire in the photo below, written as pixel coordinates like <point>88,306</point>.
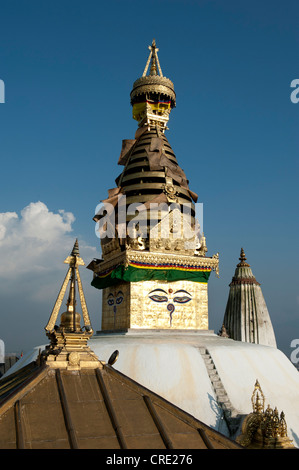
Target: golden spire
<point>68,347</point>
<point>257,399</point>
<point>70,319</point>
<point>242,259</point>
<point>153,56</point>
<point>153,95</point>
<point>264,429</point>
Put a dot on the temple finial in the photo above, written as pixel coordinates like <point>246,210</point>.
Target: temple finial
<point>153,56</point>
<point>243,259</point>
<point>71,319</point>
<point>258,399</point>
<point>75,251</point>
<point>264,428</point>
<point>242,255</point>
<point>68,340</point>
<point>153,95</point>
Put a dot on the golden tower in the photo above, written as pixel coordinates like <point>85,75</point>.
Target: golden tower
<point>264,428</point>
<point>154,270</point>
<point>68,341</point>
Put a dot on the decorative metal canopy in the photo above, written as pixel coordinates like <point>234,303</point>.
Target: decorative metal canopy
<point>153,95</point>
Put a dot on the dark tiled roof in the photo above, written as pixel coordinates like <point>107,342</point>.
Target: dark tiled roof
<point>44,408</point>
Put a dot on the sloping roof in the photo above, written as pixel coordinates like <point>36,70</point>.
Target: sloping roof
<point>46,408</point>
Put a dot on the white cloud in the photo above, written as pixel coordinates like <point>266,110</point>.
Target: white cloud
<point>33,245</point>
<point>39,223</point>
<point>36,241</point>
<point>5,219</point>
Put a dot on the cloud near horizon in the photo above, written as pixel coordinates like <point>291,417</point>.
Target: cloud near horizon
<point>33,246</point>
<point>36,241</point>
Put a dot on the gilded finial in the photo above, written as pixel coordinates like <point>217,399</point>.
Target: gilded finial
<point>264,429</point>
<point>153,56</point>
<point>242,259</point>
<point>68,341</point>
<point>276,423</point>
<point>257,399</point>
<point>283,425</point>
<point>74,258</point>
<point>242,255</point>
<point>153,95</point>
<point>75,251</point>
<point>71,318</point>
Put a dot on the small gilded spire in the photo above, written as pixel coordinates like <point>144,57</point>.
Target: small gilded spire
<point>74,258</point>
<point>70,317</point>
<point>75,251</point>
<point>257,399</point>
<point>242,259</point>
<point>242,255</point>
<point>153,56</point>
<point>68,341</point>
<point>264,429</point>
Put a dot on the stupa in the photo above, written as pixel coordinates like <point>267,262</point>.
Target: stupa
<point>153,275</point>
<point>154,271</point>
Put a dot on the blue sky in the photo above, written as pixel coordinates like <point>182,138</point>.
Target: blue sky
<point>68,69</point>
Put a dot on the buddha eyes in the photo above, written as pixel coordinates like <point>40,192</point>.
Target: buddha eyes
<point>118,300</point>
<point>163,298</point>
<point>159,298</point>
<point>182,300</point>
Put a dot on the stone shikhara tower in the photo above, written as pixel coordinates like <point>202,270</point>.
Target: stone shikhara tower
<point>246,316</point>
<point>154,271</point>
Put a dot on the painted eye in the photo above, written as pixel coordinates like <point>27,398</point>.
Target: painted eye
<point>159,298</point>
<point>119,299</point>
<point>110,301</point>
<point>182,300</point>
